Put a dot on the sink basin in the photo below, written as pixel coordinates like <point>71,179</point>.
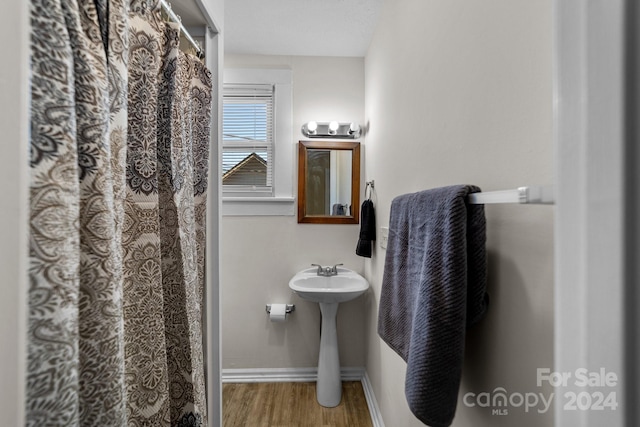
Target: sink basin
<point>328,292</point>
<point>346,286</point>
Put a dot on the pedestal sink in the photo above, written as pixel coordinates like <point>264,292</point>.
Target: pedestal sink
<point>328,291</point>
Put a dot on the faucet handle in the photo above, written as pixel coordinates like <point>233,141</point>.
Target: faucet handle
<point>319,267</point>
<point>335,267</point>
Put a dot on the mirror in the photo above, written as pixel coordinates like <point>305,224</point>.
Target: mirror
<point>328,182</point>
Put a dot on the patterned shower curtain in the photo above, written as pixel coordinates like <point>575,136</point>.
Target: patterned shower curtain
<point>119,153</point>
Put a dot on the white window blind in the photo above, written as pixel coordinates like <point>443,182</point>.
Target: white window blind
<point>248,148</point>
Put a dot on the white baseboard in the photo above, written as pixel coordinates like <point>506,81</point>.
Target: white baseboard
<point>269,375</point>
<point>290,375</point>
<point>372,403</point>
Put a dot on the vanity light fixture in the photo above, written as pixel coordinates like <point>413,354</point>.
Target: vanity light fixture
<point>331,130</point>
<point>333,127</point>
<point>312,127</point>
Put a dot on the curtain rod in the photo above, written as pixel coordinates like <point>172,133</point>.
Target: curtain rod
<point>166,6</point>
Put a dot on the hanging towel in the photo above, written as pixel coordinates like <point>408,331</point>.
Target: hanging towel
<point>433,289</point>
<point>367,229</point>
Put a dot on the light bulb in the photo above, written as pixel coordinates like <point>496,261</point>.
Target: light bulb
<point>312,127</point>
<point>353,128</point>
<point>333,127</point>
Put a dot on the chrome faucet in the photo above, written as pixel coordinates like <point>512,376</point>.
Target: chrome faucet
<point>327,271</point>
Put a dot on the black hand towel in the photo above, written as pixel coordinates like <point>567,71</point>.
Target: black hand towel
<point>367,229</point>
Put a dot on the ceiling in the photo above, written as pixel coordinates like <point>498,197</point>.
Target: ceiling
<point>300,27</point>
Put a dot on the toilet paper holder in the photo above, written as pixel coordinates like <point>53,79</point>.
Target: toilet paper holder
<point>290,308</point>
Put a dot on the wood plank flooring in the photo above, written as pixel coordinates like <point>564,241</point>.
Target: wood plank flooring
<point>291,405</point>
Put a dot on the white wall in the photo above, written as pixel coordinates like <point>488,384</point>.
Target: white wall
<point>323,89</point>
<point>460,92</point>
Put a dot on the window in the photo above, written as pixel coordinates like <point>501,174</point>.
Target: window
<point>257,148</point>
<point>247,133</point>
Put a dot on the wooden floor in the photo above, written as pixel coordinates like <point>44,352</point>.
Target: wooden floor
<point>291,405</point>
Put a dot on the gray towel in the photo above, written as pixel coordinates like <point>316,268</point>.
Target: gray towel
<point>433,289</point>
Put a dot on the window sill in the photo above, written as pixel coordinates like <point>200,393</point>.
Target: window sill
<point>258,206</point>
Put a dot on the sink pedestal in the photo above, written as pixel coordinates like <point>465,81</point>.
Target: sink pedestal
<point>329,385</point>
<point>328,291</point>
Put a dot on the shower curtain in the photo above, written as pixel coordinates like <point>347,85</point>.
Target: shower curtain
<point>120,122</point>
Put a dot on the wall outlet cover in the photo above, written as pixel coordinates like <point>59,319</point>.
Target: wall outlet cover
<point>384,237</point>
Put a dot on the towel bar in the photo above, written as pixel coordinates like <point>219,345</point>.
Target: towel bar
<point>542,195</point>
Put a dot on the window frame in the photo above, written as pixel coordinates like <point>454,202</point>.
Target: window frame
<point>243,94</point>
<point>282,201</point>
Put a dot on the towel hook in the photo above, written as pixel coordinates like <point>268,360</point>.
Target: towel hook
<point>370,186</point>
